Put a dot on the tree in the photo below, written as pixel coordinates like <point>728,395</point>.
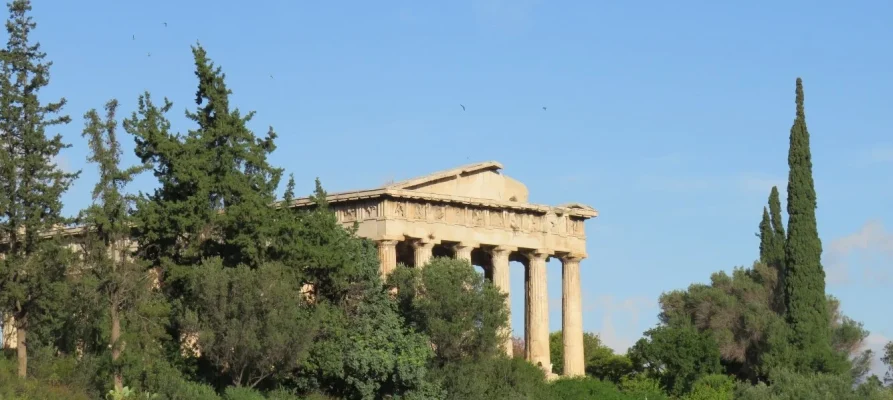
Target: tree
<point>31,183</point>
<point>676,356</point>
<point>455,306</point>
<point>252,323</point>
<point>775,254</point>
<point>219,165</point>
<point>804,278</point>
<point>118,277</point>
<point>600,360</point>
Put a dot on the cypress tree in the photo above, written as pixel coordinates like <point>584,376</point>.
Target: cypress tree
<point>776,253</point>
<point>31,183</point>
<point>804,279</point>
<point>766,237</point>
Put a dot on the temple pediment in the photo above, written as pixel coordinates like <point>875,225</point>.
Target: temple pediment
<point>481,181</point>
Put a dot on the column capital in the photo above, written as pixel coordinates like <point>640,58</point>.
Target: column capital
<point>466,245</point>
<point>387,242</point>
<point>538,254</point>
<point>499,249</point>
<point>572,257</point>
<point>418,243</point>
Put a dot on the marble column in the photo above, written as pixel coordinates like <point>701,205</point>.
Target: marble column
<point>538,311</point>
<point>387,255</point>
<point>572,316</point>
<point>422,252</point>
<point>463,251</point>
<point>500,270</point>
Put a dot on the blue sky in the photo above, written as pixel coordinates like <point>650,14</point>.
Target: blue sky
<point>671,119</point>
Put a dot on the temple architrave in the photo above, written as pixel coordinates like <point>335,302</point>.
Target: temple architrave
<point>478,214</point>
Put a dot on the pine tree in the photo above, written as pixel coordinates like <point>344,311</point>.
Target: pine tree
<point>114,273</point>
<point>31,183</point>
<point>804,279</point>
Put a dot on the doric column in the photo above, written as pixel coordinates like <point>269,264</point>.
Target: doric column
<point>572,316</point>
<point>500,268</point>
<point>538,311</point>
<point>422,252</point>
<point>463,251</point>
<point>387,256</point>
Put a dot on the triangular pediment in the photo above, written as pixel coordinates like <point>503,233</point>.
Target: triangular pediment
<point>480,180</point>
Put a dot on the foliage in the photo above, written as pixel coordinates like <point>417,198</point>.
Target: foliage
<point>640,386</point>
<point>600,360</point>
<point>787,385</point>
<point>31,183</point>
<point>586,388</point>
<point>676,356</point>
<point>455,306</point>
<point>497,377</point>
<point>804,278</point>
<point>712,387</point>
<point>251,323</point>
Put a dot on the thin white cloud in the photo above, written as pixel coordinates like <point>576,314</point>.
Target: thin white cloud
<point>881,154</point>
<point>871,241</point>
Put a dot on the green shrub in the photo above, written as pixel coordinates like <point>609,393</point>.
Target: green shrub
<point>242,393</point>
<point>712,387</point>
<point>585,388</point>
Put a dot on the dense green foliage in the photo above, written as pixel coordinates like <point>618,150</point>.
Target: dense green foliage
<point>804,278</point>
<point>207,288</point>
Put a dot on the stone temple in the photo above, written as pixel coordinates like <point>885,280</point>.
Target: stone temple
<point>478,214</point>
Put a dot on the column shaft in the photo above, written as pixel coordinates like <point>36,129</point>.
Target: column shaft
<point>572,318</point>
<point>538,312</point>
<point>387,256</point>
<point>500,271</point>
<point>422,252</point>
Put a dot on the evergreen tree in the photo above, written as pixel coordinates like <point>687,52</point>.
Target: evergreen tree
<point>766,237</point>
<point>804,279</point>
<point>116,276</point>
<point>31,183</point>
<point>776,252</point>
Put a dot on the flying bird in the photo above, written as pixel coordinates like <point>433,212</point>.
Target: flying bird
<point>134,37</point>
<point>271,76</point>
<point>463,107</point>
<point>165,24</point>
<point>544,108</point>
<point>149,54</point>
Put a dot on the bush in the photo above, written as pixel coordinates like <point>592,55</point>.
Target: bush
<point>14,388</point>
<point>242,393</point>
<point>586,388</point>
<point>492,378</point>
<point>713,387</point>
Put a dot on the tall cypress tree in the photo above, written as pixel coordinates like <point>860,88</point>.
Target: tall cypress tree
<point>776,253</point>
<point>31,183</point>
<point>804,279</point>
<point>766,237</point>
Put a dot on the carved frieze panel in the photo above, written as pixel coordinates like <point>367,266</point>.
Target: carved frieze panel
<point>417,210</point>
<point>536,222</point>
<point>477,217</point>
<point>349,213</point>
<point>455,215</point>
<point>399,209</point>
<point>370,211</point>
<point>497,218</point>
<point>438,212</point>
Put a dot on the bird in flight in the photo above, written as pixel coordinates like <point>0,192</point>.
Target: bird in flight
<point>271,76</point>
<point>463,107</point>
<point>544,108</point>
<point>134,37</point>
<point>165,24</point>
<point>149,55</point>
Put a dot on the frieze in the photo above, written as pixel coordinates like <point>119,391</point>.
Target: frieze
<point>477,217</point>
<point>399,210</point>
<point>418,210</point>
<point>370,211</point>
<point>439,212</point>
<point>497,218</point>
<point>349,213</point>
<point>455,215</point>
